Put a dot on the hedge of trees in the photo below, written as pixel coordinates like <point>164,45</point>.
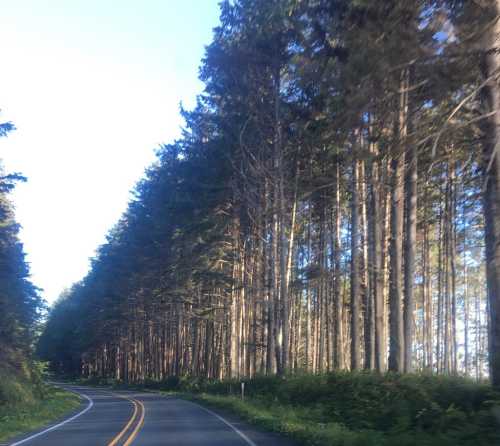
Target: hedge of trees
<point>334,203</point>
<point>20,302</point>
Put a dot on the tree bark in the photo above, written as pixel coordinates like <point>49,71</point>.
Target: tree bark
<point>396,342</point>
<point>337,294</point>
<point>490,96</point>
<point>410,248</point>
<point>355,285</point>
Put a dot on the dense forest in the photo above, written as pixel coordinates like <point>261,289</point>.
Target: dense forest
<point>20,303</point>
<point>333,203</point>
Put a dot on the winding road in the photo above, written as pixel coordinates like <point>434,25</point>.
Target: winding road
<point>124,418</point>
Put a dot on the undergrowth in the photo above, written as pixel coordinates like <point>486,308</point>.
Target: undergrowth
<point>356,408</point>
<point>26,402</point>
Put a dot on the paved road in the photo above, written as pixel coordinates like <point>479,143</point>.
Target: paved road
<point>109,418</point>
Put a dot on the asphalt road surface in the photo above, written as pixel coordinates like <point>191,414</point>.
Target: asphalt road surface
<point>109,418</point>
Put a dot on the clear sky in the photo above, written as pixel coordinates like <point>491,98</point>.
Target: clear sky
<point>93,87</point>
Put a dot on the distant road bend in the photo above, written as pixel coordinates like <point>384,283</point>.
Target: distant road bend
<point>110,418</point>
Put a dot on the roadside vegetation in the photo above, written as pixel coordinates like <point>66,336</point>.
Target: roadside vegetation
<point>27,403</point>
<point>354,408</point>
<point>364,408</point>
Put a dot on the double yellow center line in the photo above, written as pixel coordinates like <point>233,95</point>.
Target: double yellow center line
<point>139,410</point>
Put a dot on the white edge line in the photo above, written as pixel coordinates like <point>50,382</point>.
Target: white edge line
<point>89,406</point>
<point>234,428</point>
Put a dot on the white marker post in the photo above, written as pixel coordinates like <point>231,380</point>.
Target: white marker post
<point>242,390</point>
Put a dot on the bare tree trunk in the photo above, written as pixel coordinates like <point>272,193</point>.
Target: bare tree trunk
<point>355,286</point>
<point>396,345</point>
<point>466,321</point>
<point>490,96</point>
<point>286,264</point>
<point>272,292</point>
<point>376,215</point>
<point>279,239</point>
<point>439,324</point>
<point>410,248</point>
<point>385,275</point>
<point>309,337</point>
<point>427,299</point>
<point>337,294</point>
<point>234,309</point>
<point>453,268</point>
<point>369,314</point>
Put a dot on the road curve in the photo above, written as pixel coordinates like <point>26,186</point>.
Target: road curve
<point>102,419</point>
<point>109,418</point>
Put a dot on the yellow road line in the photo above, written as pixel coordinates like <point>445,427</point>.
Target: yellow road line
<point>127,426</point>
<point>138,425</point>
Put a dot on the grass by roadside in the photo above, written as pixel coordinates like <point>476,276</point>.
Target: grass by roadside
<point>353,409</point>
<point>297,423</point>
<point>365,409</point>
<point>304,425</point>
<point>30,414</point>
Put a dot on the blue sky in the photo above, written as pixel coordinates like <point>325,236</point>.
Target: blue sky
<point>93,88</point>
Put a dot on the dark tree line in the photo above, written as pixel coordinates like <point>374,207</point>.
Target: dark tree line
<point>20,303</point>
<point>333,204</point>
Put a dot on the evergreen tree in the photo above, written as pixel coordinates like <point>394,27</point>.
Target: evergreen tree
<point>320,210</point>
<point>20,303</point>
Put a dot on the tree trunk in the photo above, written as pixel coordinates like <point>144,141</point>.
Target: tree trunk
<point>355,285</point>
<point>376,215</point>
<point>337,294</point>
<point>396,344</point>
<point>410,248</point>
<point>490,96</point>
<point>369,314</point>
